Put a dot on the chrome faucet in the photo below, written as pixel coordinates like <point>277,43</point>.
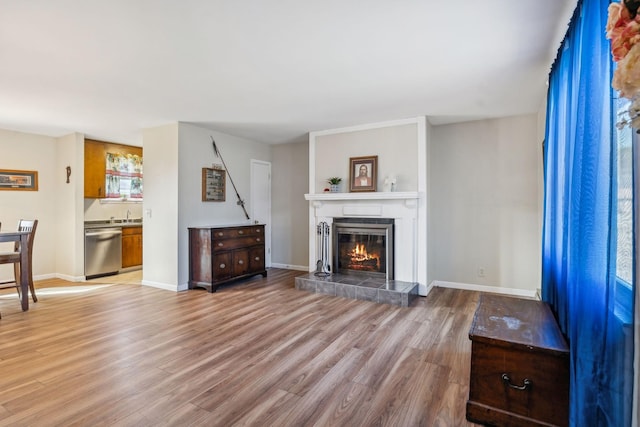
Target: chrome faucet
<point>128,214</point>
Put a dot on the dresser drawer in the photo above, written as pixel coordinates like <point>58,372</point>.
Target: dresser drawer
<point>256,258</point>
<point>239,242</point>
<point>231,233</point>
<point>222,267</point>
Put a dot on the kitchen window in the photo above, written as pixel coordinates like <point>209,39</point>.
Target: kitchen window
<point>123,176</point>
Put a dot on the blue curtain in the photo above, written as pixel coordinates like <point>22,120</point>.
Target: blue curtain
<point>579,225</point>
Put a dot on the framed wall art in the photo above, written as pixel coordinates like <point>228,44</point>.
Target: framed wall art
<point>363,173</point>
<point>213,185</point>
<point>18,180</point>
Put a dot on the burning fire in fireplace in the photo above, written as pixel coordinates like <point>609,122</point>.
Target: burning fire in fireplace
<point>361,260</point>
<point>363,246</point>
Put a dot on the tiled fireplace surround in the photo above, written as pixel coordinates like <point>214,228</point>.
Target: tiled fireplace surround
<point>403,208</point>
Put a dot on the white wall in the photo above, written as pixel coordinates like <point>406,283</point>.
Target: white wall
<point>428,208</point>
<point>69,227</point>
<point>160,207</point>
<point>196,152</point>
<point>289,209</point>
<point>95,209</point>
<point>541,128</point>
<point>485,209</point>
<point>22,151</point>
<point>395,147</point>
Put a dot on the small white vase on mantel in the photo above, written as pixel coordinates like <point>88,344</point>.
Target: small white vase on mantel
<point>389,184</point>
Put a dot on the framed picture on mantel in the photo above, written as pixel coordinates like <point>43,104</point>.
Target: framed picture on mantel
<point>363,173</point>
<point>213,185</point>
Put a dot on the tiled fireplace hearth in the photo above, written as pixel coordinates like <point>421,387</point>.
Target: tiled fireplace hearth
<point>360,287</point>
<point>400,283</point>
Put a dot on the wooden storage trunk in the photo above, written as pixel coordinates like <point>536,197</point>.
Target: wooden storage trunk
<point>519,364</point>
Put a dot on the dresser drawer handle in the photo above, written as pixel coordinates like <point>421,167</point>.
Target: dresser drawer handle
<point>220,244</point>
<point>257,258</point>
<point>525,384</point>
<point>240,232</point>
<point>240,262</point>
<point>222,266</point>
<point>220,234</point>
<point>257,239</point>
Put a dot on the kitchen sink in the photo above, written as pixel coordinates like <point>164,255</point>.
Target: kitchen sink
<point>113,222</point>
<point>127,221</point>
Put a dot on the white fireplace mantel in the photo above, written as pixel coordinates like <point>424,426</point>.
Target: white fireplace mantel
<point>410,198</point>
<point>408,209</point>
<point>401,195</point>
<point>402,207</point>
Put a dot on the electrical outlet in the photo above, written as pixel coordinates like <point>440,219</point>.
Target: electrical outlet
<point>481,272</point>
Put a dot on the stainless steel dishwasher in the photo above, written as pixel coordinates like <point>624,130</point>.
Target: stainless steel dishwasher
<point>102,251</point>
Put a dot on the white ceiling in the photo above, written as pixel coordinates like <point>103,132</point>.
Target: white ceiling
<point>269,70</point>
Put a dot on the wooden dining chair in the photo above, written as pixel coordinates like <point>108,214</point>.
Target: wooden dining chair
<point>13,257</point>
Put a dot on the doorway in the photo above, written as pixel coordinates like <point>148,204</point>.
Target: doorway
<point>261,201</point>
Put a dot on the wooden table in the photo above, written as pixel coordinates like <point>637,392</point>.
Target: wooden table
<point>22,237</point>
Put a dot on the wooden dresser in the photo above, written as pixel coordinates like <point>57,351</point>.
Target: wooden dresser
<point>221,254</point>
<point>519,364</point>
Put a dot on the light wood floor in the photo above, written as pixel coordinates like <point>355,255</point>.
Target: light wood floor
<point>256,353</point>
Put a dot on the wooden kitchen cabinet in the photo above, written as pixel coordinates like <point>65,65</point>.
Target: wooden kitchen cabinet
<point>221,254</point>
<point>519,364</point>
<point>131,246</point>
<point>94,169</point>
<point>95,164</point>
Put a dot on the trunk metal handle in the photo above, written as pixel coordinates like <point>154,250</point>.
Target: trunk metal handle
<point>525,384</point>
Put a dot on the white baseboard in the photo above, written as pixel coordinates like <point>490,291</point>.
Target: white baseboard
<point>424,290</point>
<point>159,285</point>
<point>66,277</point>
<point>484,288</point>
<point>46,276</point>
<point>290,267</point>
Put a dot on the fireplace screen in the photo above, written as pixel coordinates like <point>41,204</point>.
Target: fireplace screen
<point>363,247</point>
